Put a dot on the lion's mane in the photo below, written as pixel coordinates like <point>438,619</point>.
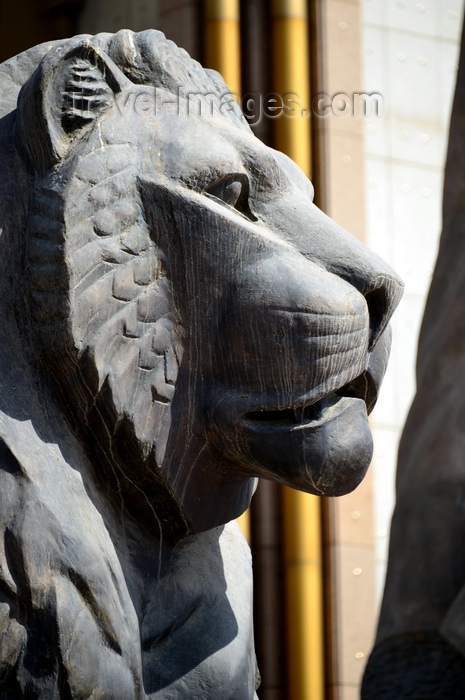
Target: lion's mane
<point>68,616</point>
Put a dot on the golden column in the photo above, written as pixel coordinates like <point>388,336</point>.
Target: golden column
<point>222,41</point>
<point>291,78</point>
<point>302,512</point>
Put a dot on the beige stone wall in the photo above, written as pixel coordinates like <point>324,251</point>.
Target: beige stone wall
<point>384,184</point>
<point>351,547</point>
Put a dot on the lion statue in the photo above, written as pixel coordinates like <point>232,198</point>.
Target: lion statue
<point>178,319</point>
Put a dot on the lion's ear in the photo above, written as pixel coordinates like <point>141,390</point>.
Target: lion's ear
<point>70,89</point>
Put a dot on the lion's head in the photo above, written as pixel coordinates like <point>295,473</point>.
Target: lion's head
<point>205,322</point>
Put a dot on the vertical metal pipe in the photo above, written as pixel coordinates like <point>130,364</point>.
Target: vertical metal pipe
<point>291,77</point>
<point>320,159</point>
<point>222,41</point>
<point>304,595</point>
<point>301,512</point>
<point>268,590</point>
<point>318,81</point>
<point>330,592</point>
<point>256,69</point>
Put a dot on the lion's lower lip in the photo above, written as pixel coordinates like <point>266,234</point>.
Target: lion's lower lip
<point>292,417</point>
<point>299,417</point>
<point>295,419</point>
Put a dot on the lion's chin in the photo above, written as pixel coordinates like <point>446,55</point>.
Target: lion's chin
<point>326,452</point>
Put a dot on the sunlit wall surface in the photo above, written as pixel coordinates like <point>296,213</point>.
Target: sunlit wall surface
<point>410,55</point>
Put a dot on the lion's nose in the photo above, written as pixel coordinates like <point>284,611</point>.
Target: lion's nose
<point>375,280</point>
<point>382,294</point>
<point>343,255</point>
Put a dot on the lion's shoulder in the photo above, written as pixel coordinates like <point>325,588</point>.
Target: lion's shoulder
<point>66,617</point>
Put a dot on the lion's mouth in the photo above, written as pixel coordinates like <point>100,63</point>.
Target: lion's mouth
<point>295,417</point>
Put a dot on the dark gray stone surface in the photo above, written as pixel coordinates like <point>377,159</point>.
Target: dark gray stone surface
<point>177,319</point>
<point>424,599</point>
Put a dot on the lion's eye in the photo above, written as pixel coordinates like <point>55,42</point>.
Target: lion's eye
<point>229,191</point>
<point>234,191</point>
